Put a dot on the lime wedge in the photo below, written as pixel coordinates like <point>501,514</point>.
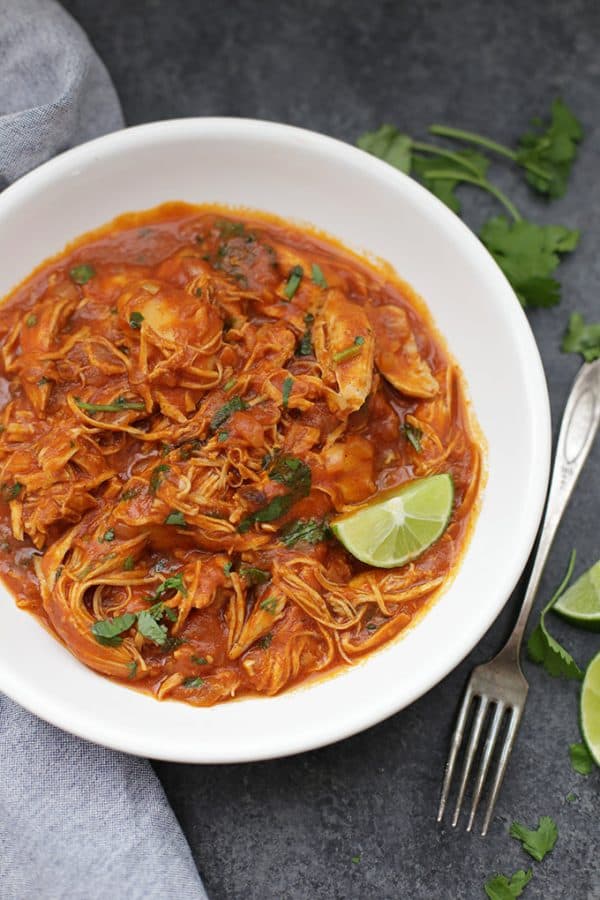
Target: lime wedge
<point>580,604</point>
<point>590,708</point>
<point>396,529</point>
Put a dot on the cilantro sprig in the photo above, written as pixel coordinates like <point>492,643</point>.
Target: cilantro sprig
<point>544,649</point>
<point>502,888</point>
<point>582,338</point>
<point>527,253</point>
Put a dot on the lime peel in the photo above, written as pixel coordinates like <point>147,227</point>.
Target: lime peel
<point>590,709</point>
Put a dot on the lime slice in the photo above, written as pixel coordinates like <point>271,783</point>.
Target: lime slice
<point>401,526</point>
<point>590,708</point>
<point>580,604</point>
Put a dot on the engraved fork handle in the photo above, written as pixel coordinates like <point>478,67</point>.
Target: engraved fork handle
<point>577,431</point>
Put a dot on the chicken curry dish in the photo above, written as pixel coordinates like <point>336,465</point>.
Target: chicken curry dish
<point>198,405</point>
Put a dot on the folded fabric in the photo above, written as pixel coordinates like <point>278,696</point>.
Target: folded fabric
<point>76,820</point>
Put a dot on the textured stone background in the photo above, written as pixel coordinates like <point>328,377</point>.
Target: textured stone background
<point>288,829</point>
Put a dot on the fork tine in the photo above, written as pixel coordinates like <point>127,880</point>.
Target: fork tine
<point>490,743</point>
<point>470,756</point>
<point>457,737</point>
<point>502,763</point>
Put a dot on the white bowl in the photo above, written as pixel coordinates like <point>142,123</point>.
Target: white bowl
<point>306,177</point>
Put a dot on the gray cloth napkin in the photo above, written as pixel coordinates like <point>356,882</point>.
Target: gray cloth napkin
<point>77,822</point>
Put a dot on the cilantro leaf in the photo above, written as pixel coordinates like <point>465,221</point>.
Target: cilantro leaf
<point>293,282</point>
<point>157,476</point>
<point>172,583</point>
<point>389,144</point>
<point>235,404</point>
<point>149,628</point>
<point>581,759</point>
<point>293,473</point>
<point>502,888</point>
<point>544,649</point>
<point>176,517</point>
<point>82,274</point>
<point>465,164</point>
<point>274,509</point>
<point>582,338</point>
<point>528,254</point>
<point>288,384</point>
<point>310,531</point>
<point>108,631</point>
<point>317,277</point>
<point>536,842</point>
<point>413,436</point>
<point>193,682</point>
<point>550,149</point>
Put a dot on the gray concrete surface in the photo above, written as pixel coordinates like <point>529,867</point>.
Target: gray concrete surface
<point>289,828</point>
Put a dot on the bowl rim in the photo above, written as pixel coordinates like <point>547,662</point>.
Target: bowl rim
<point>43,702</point>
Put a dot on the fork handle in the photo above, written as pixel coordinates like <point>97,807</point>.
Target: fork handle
<point>577,431</point>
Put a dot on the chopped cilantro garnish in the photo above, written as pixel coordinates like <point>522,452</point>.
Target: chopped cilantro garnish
<point>581,759</point>
<point>293,282</point>
<point>236,404</point>
<point>149,628</point>
<point>11,491</point>
<point>157,476</point>
<point>82,274</point>
<point>309,531</point>
<point>119,404</point>
<point>176,518</point>
<point>502,888</point>
<point>254,575</point>
<point>229,384</point>
<point>132,666</point>
<point>536,842</point>
<point>317,277</point>
<point>582,338</point>
<point>413,435</point>
<point>286,390</point>
<point>199,660</point>
<point>108,536</point>
<point>351,351</point>
<point>130,493</point>
<point>294,474</point>
<point>31,320</point>
<point>136,319</point>
<point>128,563</point>
<point>43,381</point>
<point>356,859</point>
<point>222,436</point>
<point>228,566</point>
<point>270,605</point>
<point>108,631</point>
<point>265,641</point>
<point>193,682</point>
<point>544,649</point>
<point>172,583</point>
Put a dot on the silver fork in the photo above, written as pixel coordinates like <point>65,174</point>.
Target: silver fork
<point>498,689</point>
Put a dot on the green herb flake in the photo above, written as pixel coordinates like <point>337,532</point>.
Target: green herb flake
<point>571,797</point>
<point>356,859</point>
<point>82,274</point>
<point>235,404</point>
<point>149,627</point>
<point>135,320</point>
<point>11,491</point>
<point>308,531</point>
<point>389,144</point>
<point>157,477</point>
<point>172,583</point>
<point>269,605</point>
<point>544,649</point>
<point>228,566</point>
<point>199,660</point>
<point>413,436</point>
<point>254,575</point>
<point>31,320</point>
<point>265,641</point>
<point>502,888</point>
<point>581,759</point>
<point>317,277</point>
<point>119,404</point>
<point>582,338</point>
<point>43,381</point>
<point>132,666</point>
<point>349,352</point>
<point>176,518</point>
<point>293,282</point>
<point>198,292</point>
<point>288,384</point>
<point>222,436</point>
<point>130,493</point>
<point>108,536</point>
<point>537,842</point>
<point>229,384</point>
<point>128,564</point>
<point>193,682</point>
<point>108,631</point>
